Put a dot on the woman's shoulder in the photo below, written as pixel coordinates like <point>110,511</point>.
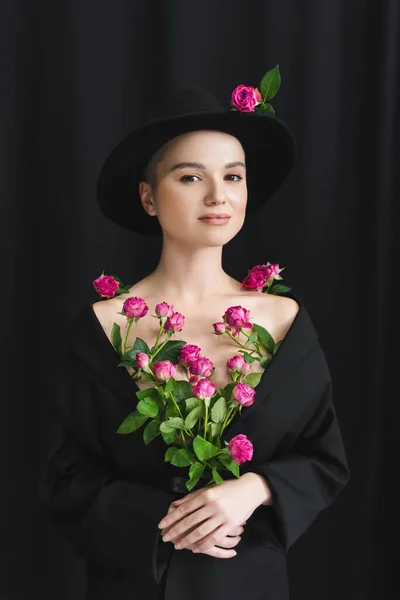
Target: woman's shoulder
<point>281,310</point>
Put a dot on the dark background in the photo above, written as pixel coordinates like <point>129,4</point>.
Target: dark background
<point>76,77</point>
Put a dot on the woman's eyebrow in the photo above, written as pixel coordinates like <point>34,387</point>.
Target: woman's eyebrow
<point>197,165</point>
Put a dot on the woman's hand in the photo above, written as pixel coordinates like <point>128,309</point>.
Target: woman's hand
<point>204,518</point>
<point>223,549</point>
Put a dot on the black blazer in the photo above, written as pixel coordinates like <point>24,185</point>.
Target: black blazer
<point>106,492</point>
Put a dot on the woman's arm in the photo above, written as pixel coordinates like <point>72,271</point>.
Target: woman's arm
<point>106,518</point>
<point>307,478</point>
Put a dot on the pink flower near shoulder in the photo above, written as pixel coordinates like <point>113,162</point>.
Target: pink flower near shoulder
<point>244,98</point>
<point>142,360</point>
<point>163,309</point>
<point>163,370</point>
<point>243,393</point>
<point>203,389</point>
<point>174,322</point>
<point>240,448</point>
<point>189,352</point>
<point>272,271</point>
<point>237,317</point>
<point>106,286</point>
<point>134,307</point>
<point>255,280</point>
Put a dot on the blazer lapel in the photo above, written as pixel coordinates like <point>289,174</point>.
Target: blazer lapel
<point>296,345</point>
<point>87,339</point>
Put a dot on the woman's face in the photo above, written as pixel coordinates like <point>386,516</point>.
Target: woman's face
<point>215,182</point>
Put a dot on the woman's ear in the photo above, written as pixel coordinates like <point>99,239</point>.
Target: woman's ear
<point>147,198</point>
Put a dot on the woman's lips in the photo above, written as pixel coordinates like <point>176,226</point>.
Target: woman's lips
<point>215,220</point>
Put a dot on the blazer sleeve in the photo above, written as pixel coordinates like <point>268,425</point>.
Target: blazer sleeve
<point>107,519</point>
<point>309,476</point>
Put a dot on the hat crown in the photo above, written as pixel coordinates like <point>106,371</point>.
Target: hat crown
<point>185,101</point>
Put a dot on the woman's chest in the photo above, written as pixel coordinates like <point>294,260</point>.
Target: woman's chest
<point>198,330</point>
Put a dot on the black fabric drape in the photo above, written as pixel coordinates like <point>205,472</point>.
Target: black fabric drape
<point>76,76</point>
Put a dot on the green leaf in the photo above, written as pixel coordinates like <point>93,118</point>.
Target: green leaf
<point>251,339</point>
<point>195,472</point>
<point>229,463</point>
<point>277,345</point>
<point>170,352</point>
<point>252,379</point>
<point>193,417</point>
<point>116,339</point>
<point>132,422</point>
<point>147,393</point>
<point>182,458</point>
<point>172,411</point>
<point>174,423</point>
<point>170,453</point>
<point>183,390</point>
<point>216,476</point>
<point>203,448</point>
<point>127,363</point>
<point>279,289</point>
<point>218,411</point>
<point>192,403</point>
<point>268,108</point>
<point>226,392</point>
<point>248,357</point>
<point>169,436</point>
<point>148,406</point>
<point>215,429</point>
<point>270,83</point>
<point>265,360</point>
<point>138,346</point>
<point>265,337</point>
<point>151,430</point>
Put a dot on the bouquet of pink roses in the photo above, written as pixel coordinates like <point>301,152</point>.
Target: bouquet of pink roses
<point>191,416</point>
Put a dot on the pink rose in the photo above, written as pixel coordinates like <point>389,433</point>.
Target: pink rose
<point>237,317</point>
<point>134,307</point>
<point>240,448</point>
<point>246,368</point>
<point>174,322</point>
<point>272,271</point>
<point>164,310</point>
<point>201,366</point>
<point>244,98</point>
<point>194,378</point>
<point>203,389</point>
<point>236,362</point>
<point>258,95</point>
<point>255,280</point>
<point>243,393</point>
<point>142,360</point>
<point>189,352</point>
<point>163,370</point>
<point>220,328</point>
<point>106,286</point>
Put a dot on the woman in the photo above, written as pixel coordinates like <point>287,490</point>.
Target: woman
<point>107,493</point>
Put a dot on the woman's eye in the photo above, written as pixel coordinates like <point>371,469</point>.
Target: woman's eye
<point>186,177</point>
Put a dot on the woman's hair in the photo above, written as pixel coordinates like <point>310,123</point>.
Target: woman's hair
<point>150,171</point>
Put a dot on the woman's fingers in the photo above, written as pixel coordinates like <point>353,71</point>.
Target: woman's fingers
<point>224,548</point>
<point>236,530</point>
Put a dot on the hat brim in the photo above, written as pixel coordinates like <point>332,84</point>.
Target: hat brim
<point>267,141</point>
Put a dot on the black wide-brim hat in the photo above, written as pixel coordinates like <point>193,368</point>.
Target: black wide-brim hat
<point>267,141</point>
